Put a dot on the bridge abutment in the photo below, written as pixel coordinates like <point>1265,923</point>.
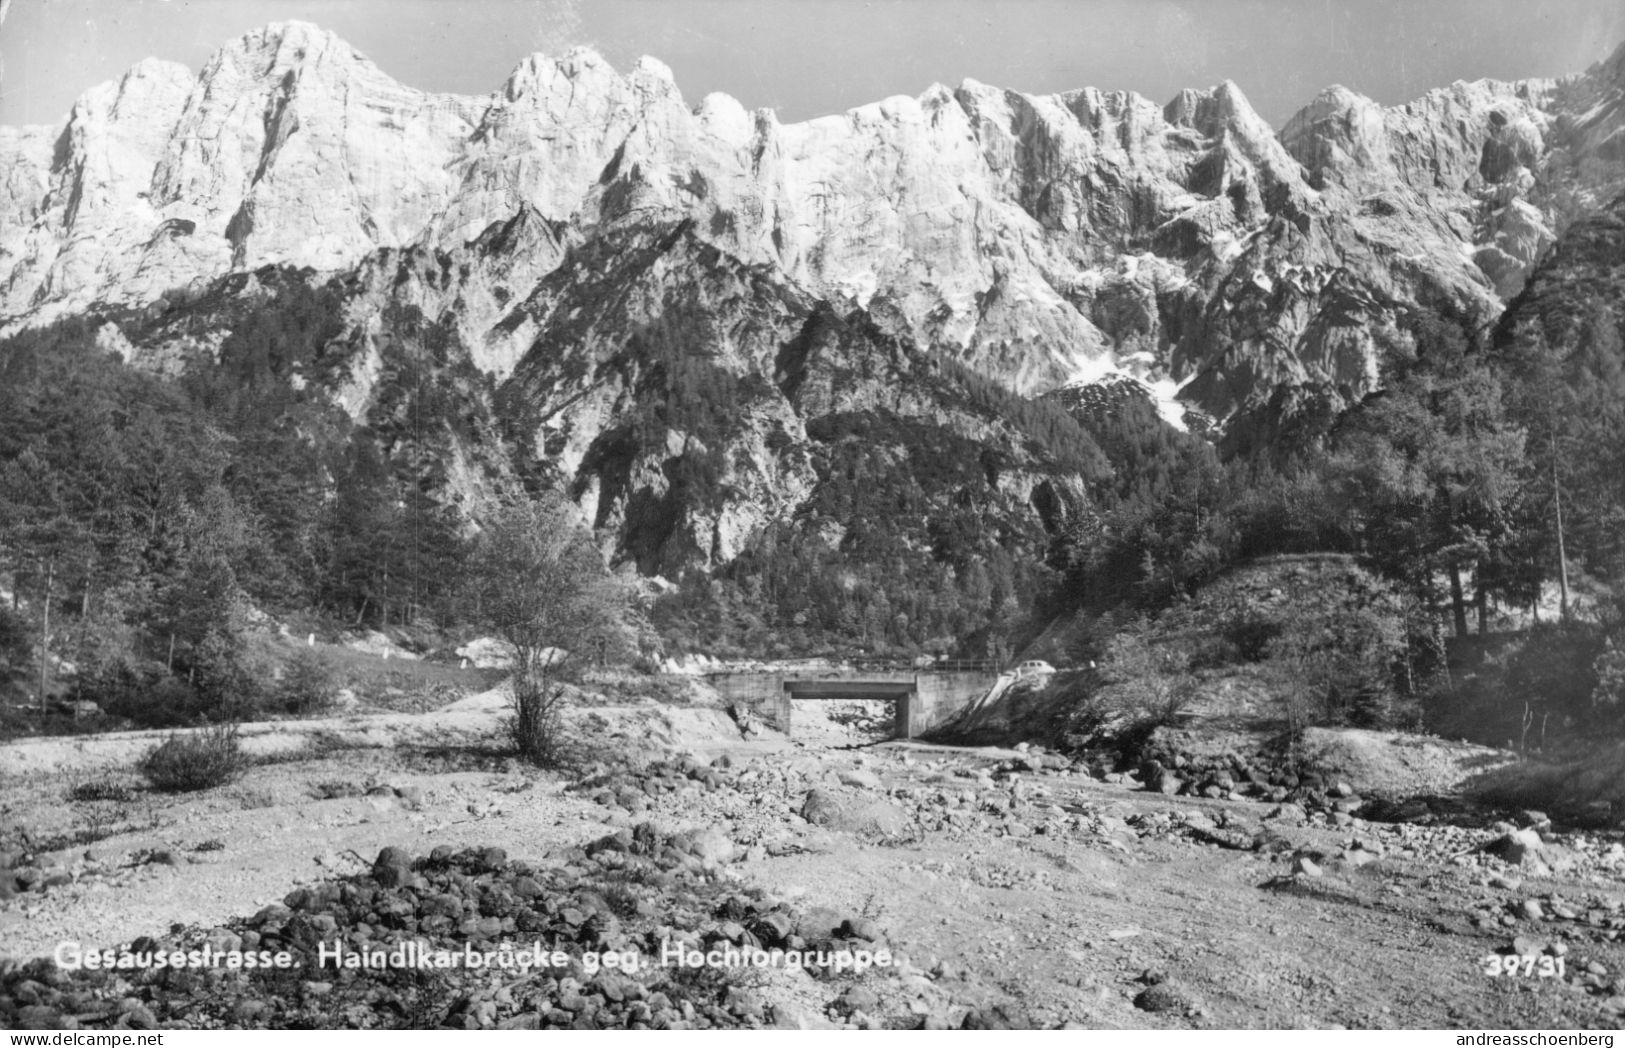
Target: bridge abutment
<point>921,701</point>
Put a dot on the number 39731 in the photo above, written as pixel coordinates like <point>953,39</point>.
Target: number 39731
<point>1524,965</point>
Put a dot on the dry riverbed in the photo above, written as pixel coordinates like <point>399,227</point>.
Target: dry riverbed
<point>1011,887</point>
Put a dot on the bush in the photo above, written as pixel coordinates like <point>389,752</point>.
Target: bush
<point>1087,714</point>
<point>537,727</point>
<point>1338,667</point>
<point>145,693</point>
<point>1557,678</point>
<point>220,671</point>
<point>1150,682</point>
<point>307,686</point>
<point>1251,633</point>
<point>15,642</point>
<point>186,763</point>
<point>103,789</point>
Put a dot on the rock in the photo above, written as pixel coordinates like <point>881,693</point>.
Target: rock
<point>785,1016</point>
<point>711,845</point>
<point>522,1021</point>
<point>818,923</point>
<point>877,817</point>
<point>248,1010</point>
<point>223,940</point>
<point>1305,866</point>
<point>393,856</point>
<point>1524,946</point>
<point>997,1017</point>
<point>138,1017</point>
<point>862,778</point>
<point>1516,847</point>
<point>773,928</point>
<point>859,998</point>
<point>1529,910</point>
<point>821,807</point>
<point>1161,997</point>
<point>1287,813</point>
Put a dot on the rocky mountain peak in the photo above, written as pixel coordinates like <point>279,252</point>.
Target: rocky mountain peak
<point>1032,236</point>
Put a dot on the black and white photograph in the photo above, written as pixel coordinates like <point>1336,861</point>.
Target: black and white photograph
<point>812,515</point>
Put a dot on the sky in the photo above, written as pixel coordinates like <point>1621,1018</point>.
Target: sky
<point>808,58</point>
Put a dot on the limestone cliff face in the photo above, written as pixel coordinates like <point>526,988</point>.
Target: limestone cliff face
<point>1035,237</point>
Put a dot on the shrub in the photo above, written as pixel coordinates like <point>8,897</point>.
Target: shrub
<point>1087,714</point>
<point>1149,681</point>
<point>307,686</point>
<point>15,642</point>
<point>1251,633</point>
<point>1609,669</point>
<point>1348,654</point>
<point>200,761</point>
<point>537,725</point>
<point>1337,667</point>
<point>145,693</point>
<point>104,789</point>
<point>220,671</point>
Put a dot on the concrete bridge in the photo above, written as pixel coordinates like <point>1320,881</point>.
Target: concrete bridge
<point>922,699</point>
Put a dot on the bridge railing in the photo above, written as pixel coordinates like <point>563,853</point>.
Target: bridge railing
<point>938,666</point>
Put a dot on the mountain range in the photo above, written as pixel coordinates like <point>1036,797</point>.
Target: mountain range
<point>705,324</point>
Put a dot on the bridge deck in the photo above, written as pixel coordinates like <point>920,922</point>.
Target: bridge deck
<point>867,688</point>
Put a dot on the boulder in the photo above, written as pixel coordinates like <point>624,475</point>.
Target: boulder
<point>1517,847</point>
<point>871,817</point>
<point>862,778</point>
<point>711,845</point>
<point>1161,997</point>
<point>821,807</point>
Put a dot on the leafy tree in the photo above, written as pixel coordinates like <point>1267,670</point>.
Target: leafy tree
<point>536,580</point>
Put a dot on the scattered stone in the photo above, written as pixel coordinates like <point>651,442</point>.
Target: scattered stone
<point>1161,997</point>
<point>1529,909</point>
<point>1288,813</point>
<point>1525,946</point>
<point>862,778</point>
<point>1357,857</point>
<point>821,808</point>
<point>1516,847</point>
<point>858,998</point>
